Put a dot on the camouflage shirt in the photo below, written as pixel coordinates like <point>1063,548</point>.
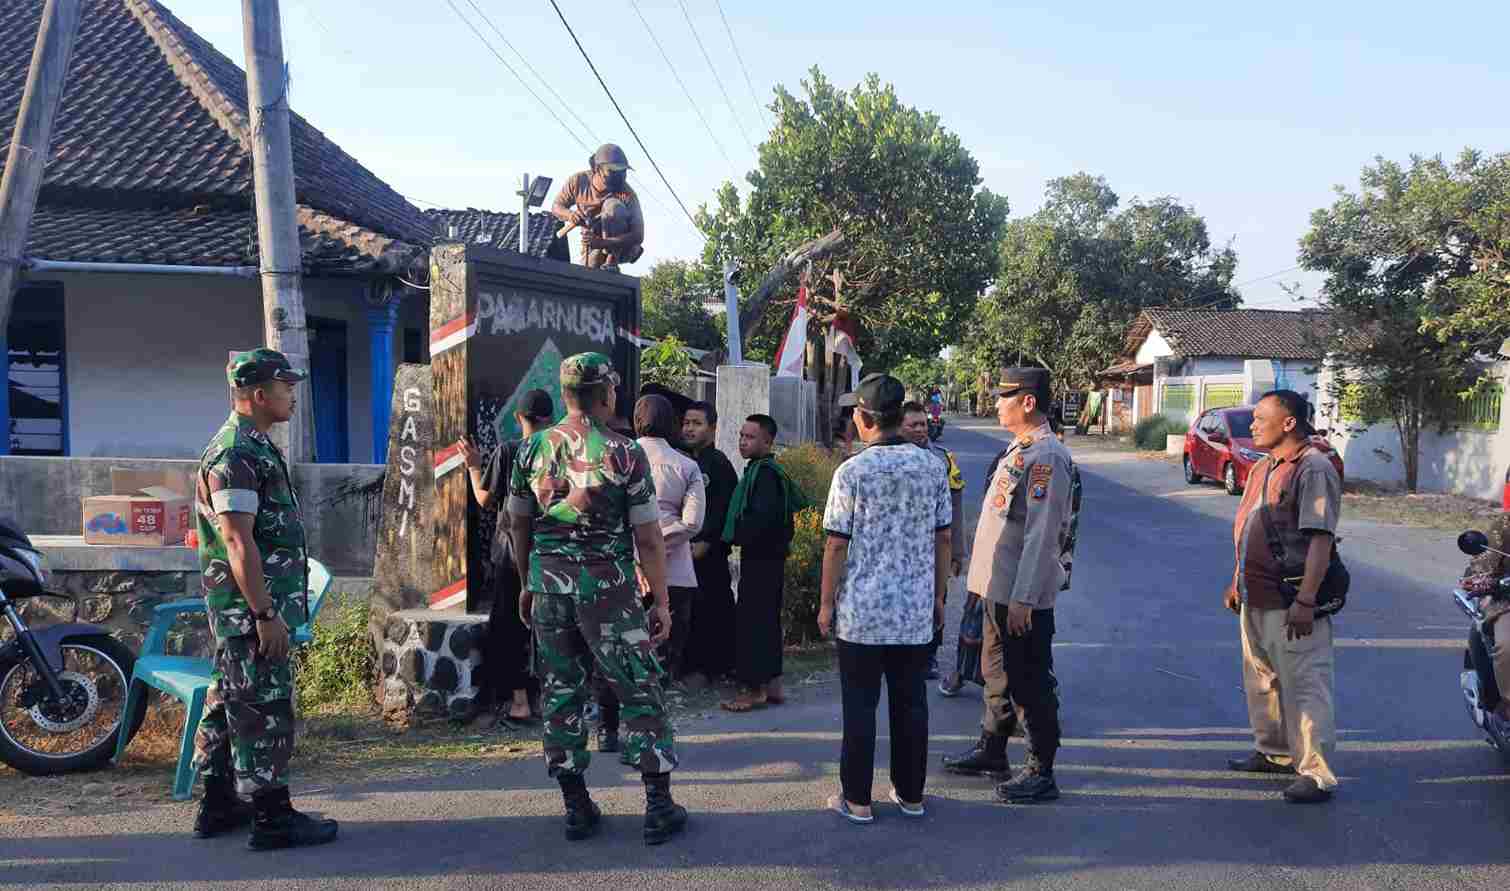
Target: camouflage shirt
<point>243,472</point>
<point>586,488</point>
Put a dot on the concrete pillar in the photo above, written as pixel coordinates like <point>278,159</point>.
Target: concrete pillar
<point>743,390</point>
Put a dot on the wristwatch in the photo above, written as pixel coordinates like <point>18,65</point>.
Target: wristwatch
<point>266,615</point>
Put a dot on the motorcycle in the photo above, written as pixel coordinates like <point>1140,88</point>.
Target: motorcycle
<point>62,688</point>
<point>1496,730</point>
<point>935,428</point>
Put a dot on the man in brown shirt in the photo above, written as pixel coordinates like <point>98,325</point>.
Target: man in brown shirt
<point>600,201</point>
<point>1287,651</point>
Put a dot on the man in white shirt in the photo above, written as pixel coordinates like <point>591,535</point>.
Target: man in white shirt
<point>887,522</point>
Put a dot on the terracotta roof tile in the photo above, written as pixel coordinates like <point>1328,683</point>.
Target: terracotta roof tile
<point>1246,333</point>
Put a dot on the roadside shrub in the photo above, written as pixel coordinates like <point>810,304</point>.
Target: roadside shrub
<point>812,468</point>
<point>337,668</point>
<point>1152,432</point>
<point>804,577</point>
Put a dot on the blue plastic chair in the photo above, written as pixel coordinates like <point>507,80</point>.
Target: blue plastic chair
<point>187,678</point>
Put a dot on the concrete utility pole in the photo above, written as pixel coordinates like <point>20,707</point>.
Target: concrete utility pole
<point>731,315</point>
<point>25,163</point>
<point>277,226</point>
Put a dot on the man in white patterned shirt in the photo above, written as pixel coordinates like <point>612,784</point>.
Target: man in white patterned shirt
<point>887,521</point>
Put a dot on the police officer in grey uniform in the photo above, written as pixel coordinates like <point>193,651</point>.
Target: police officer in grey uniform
<point>1024,543</point>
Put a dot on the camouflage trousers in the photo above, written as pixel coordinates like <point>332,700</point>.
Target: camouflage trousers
<point>609,632</point>
<point>248,709</point>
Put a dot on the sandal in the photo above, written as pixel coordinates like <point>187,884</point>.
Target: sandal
<point>744,702</point>
<point>838,805</point>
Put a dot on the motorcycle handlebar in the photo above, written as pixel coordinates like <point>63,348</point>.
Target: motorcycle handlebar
<point>1468,604</point>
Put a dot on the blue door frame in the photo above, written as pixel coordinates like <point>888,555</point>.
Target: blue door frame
<point>328,387</point>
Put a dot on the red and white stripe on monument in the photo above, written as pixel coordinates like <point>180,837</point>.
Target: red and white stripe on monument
<point>447,460</point>
<point>451,595</point>
<point>452,334</point>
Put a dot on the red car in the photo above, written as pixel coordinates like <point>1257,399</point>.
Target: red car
<point>1219,446</point>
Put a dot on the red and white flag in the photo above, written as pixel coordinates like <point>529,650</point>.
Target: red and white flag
<point>843,335</point>
<point>792,352</point>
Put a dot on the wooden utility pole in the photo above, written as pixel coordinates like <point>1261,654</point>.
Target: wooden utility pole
<point>25,163</point>
<point>277,226</point>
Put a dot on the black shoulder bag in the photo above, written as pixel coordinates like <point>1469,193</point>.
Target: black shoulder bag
<point>1331,597</point>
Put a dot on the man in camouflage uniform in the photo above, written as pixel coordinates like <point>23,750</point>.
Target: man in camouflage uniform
<point>583,504</point>
<point>252,562</point>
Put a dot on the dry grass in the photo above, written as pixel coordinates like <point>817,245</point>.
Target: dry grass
<point>336,747</point>
<point>1383,504</point>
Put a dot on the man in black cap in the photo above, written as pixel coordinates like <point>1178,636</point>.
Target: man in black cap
<point>505,652</point>
<point>600,202</point>
<point>887,524</point>
<point>1024,543</point>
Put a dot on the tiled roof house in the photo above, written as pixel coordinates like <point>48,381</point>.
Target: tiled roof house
<point>151,164</point>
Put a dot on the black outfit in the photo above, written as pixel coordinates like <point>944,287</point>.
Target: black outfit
<point>1483,665</point>
<point>506,647</point>
<point>861,668</point>
<point>1021,670</point>
<point>764,535</point>
<point>674,651</point>
<point>710,646</point>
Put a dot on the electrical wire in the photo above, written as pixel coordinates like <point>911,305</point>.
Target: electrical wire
<point>623,117</point>
<point>730,31</point>
<point>716,79</point>
<point>1195,298</point>
<point>685,92</point>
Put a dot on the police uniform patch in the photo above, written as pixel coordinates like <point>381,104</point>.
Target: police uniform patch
<point>1017,461</point>
<point>1039,478</point>
<point>999,502</point>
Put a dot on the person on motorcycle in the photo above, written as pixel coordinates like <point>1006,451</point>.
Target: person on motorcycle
<point>915,428</point>
<point>1491,646</point>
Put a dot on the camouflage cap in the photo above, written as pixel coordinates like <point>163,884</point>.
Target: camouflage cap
<point>260,366</point>
<point>586,369</point>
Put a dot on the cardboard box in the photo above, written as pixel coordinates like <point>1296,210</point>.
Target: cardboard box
<point>145,509</point>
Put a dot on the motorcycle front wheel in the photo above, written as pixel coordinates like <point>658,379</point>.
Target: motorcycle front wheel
<point>39,735</point>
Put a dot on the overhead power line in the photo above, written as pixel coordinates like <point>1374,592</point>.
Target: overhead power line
<point>548,108</point>
<point>623,117</point>
<point>730,31</point>
<point>685,92</point>
<point>716,79</point>
<point>1195,298</point>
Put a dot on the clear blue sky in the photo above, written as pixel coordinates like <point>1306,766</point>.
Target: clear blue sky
<point>1249,113</point>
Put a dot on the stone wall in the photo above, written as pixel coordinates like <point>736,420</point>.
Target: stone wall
<point>429,663</point>
<point>340,501</point>
<point>123,602</point>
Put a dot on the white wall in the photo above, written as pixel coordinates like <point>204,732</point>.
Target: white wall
<point>1466,462</point>
<point>146,358</point>
<point>1154,347</point>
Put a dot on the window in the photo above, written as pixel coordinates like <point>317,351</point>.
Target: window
<point>1223,395</point>
<point>36,372</point>
<point>1241,423</point>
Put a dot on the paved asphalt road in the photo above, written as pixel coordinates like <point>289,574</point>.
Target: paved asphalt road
<point>1149,668</point>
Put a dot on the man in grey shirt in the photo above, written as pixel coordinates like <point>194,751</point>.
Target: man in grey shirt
<point>1019,564</point>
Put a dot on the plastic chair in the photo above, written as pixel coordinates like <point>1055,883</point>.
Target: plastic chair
<point>187,678</point>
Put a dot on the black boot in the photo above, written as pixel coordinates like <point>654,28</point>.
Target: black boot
<point>663,817</point>
<point>221,809</point>
<point>582,815</point>
<point>278,825</point>
<point>988,756</point>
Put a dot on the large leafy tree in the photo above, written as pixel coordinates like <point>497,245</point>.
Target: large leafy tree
<point>1075,274</point>
<point>891,199</point>
<point>672,298</point>
<point>1416,286</point>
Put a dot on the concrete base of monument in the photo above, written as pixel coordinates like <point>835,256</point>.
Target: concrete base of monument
<point>430,664</point>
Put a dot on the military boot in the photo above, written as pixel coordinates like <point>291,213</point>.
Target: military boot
<point>278,825</point>
<point>582,814</point>
<point>221,809</point>
<point>987,757</point>
<point>663,817</point>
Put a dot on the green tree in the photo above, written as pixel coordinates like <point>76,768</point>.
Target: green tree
<point>667,363</point>
<point>904,195</point>
<point>919,374</point>
<point>1410,265</point>
<point>1075,274</point>
<point>672,296</point>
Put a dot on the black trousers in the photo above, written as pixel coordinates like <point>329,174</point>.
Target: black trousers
<point>1483,664</point>
<point>710,648</point>
<point>905,669</point>
<point>757,621</point>
<point>1021,670</point>
<point>506,646</point>
<point>673,653</point>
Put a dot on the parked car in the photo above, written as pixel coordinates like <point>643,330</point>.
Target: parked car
<point>1219,446</point>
